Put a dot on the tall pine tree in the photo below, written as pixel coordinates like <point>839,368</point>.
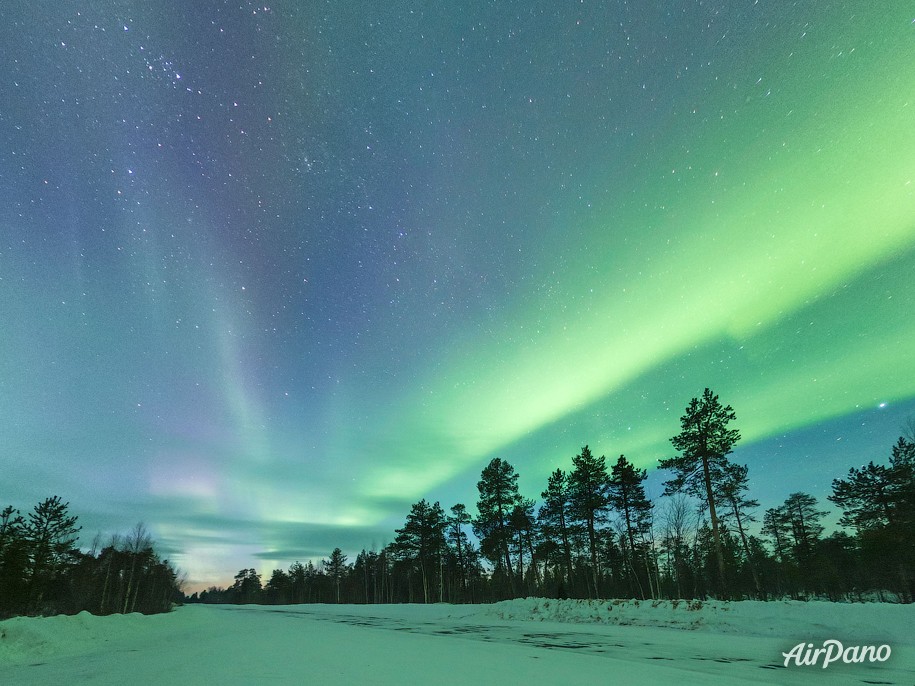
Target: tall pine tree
<point>626,495</point>
<point>730,491</point>
<point>588,487</point>
<point>555,520</point>
<point>50,534</point>
<point>422,541</point>
<point>336,569</point>
<point>704,442</point>
<point>459,542</point>
<point>498,487</point>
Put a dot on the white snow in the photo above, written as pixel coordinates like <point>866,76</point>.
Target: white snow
<point>527,641</point>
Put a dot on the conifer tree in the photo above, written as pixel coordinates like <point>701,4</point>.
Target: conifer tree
<point>13,561</point>
<point>336,569</point>
<point>866,497</point>
<point>458,539</point>
<point>775,527</point>
<point>247,587</point>
<point>804,521</point>
<point>588,487</point>
<point>879,501</point>
<point>902,464</point>
<point>626,495</point>
<point>523,525</point>
<point>297,582</point>
<point>422,541</point>
<point>50,534</point>
<point>498,488</point>
<point>556,515</point>
<point>704,443</point>
<point>730,491</point>
<point>277,588</point>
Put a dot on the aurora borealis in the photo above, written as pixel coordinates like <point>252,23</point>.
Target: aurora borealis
<point>270,274</point>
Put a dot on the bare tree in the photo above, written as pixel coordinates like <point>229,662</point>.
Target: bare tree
<point>138,541</point>
<point>680,522</point>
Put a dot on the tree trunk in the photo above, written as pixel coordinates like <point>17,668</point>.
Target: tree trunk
<point>567,549</point>
<point>592,540</point>
<point>133,564</point>
<point>631,537</point>
<point>746,548</point>
<point>521,556</point>
<point>716,535</point>
<point>530,549</point>
<point>505,553</point>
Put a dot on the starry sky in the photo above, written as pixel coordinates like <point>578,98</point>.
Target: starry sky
<point>271,273</point>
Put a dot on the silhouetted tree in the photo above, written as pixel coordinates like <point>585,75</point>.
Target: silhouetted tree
<point>704,442</point>
<point>524,525</point>
<point>679,524</point>
<point>276,590</point>
<point>804,521</point>
<point>422,542</point>
<point>498,488</point>
<point>247,587</point>
<point>138,546</point>
<point>729,491</point>
<point>459,542</point>
<point>879,502</point>
<point>555,522</point>
<point>14,561</point>
<point>336,569</point>
<point>626,495</point>
<point>588,488</point>
<point>50,534</point>
<point>297,581</point>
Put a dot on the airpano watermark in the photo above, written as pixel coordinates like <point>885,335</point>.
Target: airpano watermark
<point>804,654</point>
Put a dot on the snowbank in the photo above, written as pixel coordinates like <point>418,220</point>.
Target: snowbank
<point>871,621</point>
<point>533,640</point>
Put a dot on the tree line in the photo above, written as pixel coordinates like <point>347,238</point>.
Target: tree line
<point>595,534</point>
<point>43,571</point>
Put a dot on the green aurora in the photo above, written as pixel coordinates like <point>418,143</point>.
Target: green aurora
<point>269,277</point>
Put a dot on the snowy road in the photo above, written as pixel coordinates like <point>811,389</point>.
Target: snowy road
<point>395,645</point>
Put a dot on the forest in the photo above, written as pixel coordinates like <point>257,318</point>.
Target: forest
<point>595,534</point>
<point>43,571</point>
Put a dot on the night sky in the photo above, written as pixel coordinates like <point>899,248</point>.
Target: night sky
<point>270,274</point>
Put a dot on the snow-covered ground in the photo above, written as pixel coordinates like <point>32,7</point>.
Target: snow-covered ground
<point>530,641</point>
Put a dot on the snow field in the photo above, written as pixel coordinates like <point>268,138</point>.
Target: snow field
<point>526,641</point>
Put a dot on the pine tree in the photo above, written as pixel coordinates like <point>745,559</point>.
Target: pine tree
<point>704,443</point>
<point>336,569</point>
<point>879,501</point>
<point>366,567</point>
<point>523,525</point>
<point>902,464</point>
<point>247,587</point>
<point>804,521</point>
<point>297,582</point>
<point>498,487</point>
<point>50,535</point>
<point>458,539</point>
<point>626,495</point>
<point>277,588</point>
<point>422,541</point>
<point>588,487</point>
<point>776,526</point>
<point>729,491</point>
<point>13,562</point>
<point>866,497</point>
<point>555,519</point>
